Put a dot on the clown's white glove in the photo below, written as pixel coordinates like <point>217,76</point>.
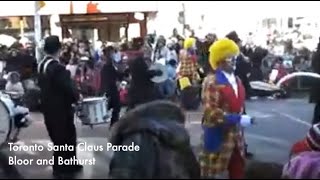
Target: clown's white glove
<point>246,121</point>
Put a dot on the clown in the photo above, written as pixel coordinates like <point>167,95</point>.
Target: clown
<point>223,97</point>
<point>188,61</point>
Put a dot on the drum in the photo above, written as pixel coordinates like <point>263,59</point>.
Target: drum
<point>94,111</point>
<point>6,120</point>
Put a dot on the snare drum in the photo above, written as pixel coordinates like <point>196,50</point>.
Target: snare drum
<point>94,111</point>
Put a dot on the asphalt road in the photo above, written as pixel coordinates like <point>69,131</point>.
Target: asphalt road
<point>280,123</point>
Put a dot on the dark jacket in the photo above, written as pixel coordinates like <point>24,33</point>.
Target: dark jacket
<point>315,89</point>
<point>58,92</point>
<point>242,68</point>
<point>141,89</point>
<point>165,150</point>
<point>109,78</point>
<point>256,57</point>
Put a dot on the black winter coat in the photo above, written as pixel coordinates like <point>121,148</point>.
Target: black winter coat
<point>165,149</point>
<point>315,89</point>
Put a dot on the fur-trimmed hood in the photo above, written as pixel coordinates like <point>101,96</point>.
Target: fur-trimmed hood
<point>159,118</point>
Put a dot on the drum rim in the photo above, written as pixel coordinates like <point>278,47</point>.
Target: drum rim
<point>93,99</point>
<point>10,123</point>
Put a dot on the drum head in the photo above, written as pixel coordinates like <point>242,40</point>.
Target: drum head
<point>5,123</point>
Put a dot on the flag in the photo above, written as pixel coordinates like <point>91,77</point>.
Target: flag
<point>92,8</point>
<point>40,5</point>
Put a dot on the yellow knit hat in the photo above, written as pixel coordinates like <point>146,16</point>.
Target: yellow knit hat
<point>189,43</point>
<point>222,49</point>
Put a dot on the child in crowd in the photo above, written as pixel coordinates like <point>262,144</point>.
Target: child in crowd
<point>14,85</point>
<point>21,114</point>
<point>305,161</point>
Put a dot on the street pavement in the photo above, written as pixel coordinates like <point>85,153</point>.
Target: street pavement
<point>280,123</point>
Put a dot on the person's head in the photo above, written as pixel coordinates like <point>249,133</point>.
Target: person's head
<point>124,47</point>
<point>161,42</point>
<point>170,46</point>
<point>74,48</point>
<point>189,43</point>
<point>211,38</point>
<point>192,33</point>
<point>234,37</point>
<point>108,53</point>
<point>52,45</point>
<point>222,55</point>
<point>175,32</point>
<point>14,77</point>
<point>14,53</point>
<point>83,45</point>
<point>313,137</point>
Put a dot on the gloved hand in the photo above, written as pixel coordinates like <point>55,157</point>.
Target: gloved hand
<point>246,121</point>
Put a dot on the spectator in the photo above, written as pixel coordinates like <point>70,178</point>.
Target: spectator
<point>315,89</point>
<point>304,166</point>
<point>165,151</point>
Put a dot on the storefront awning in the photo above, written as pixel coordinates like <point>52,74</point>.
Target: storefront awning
<point>27,8</point>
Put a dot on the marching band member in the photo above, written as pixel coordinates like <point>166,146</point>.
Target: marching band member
<point>110,76</point>
<point>142,89</point>
<point>57,96</point>
<point>223,96</point>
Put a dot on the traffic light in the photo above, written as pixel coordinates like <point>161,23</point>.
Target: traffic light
<point>181,17</point>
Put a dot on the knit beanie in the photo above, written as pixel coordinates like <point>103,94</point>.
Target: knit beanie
<point>313,137</point>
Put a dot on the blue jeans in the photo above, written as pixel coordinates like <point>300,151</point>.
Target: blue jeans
<point>167,88</point>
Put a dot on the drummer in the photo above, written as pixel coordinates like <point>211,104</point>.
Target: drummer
<point>57,96</point>
<point>109,78</point>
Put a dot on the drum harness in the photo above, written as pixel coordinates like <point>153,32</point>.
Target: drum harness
<point>43,65</point>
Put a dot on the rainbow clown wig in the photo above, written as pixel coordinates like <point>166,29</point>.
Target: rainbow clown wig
<point>189,43</point>
<point>222,49</point>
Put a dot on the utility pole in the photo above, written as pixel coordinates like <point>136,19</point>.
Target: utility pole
<point>37,28</point>
<point>184,19</point>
